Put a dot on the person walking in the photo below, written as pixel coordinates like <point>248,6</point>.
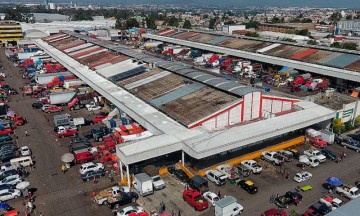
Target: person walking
<point>219,194</point>
<point>179,213</point>
<point>163,206</point>
<point>26,133</point>
<point>63,169</point>
<point>95,180</point>
<point>341,157</point>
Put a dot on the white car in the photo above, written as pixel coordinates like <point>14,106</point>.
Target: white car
<point>91,166</point>
<point>252,165</point>
<point>158,183</point>
<point>211,197</point>
<point>302,176</point>
<point>8,194</point>
<point>130,209</point>
<point>25,151</point>
<point>11,180</point>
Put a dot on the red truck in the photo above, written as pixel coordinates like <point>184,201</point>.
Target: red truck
<point>195,199</point>
<point>107,145</point>
<point>85,155</point>
<point>318,142</point>
<point>66,131</point>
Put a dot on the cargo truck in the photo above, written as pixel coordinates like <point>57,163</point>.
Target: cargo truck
<point>228,206</point>
<point>143,184</point>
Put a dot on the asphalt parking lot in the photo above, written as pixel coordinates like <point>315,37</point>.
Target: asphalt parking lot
<point>66,194</point>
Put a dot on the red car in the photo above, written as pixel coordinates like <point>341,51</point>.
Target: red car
<point>19,120</point>
<point>138,214</point>
<point>274,212</point>
<point>5,131</point>
<point>99,118</point>
<point>53,109</point>
<point>195,199</point>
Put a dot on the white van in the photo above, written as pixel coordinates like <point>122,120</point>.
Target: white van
<point>24,161</point>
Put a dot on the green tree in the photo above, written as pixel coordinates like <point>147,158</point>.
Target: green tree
<point>212,23</point>
<point>275,20</point>
<point>81,14</point>
<point>336,45</point>
<point>205,16</point>
<point>312,42</point>
<point>289,40</point>
<point>132,22</point>
<point>338,125</point>
<point>348,125</point>
<point>251,24</point>
<point>173,21</point>
<point>335,17</point>
<point>357,121</point>
<point>252,34</point>
<point>187,24</point>
<point>306,20</point>
<point>303,32</point>
<point>348,17</point>
<point>349,46</point>
<point>150,22</point>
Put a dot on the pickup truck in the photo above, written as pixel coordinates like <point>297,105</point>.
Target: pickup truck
<point>158,183</point>
<point>98,134</point>
<point>108,144</point>
<point>310,161</point>
<point>350,143</point>
<point>194,199</point>
<point>288,155</point>
<point>289,198</point>
<point>331,201</point>
<point>228,170</point>
<point>348,192</point>
<point>318,142</point>
<point>272,157</point>
<point>66,131</point>
<point>252,165</point>
<point>114,197</point>
<point>92,106</point>
<point>315,153</point>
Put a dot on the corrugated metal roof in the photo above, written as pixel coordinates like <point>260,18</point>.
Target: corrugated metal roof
<point>178,67</point>
<point>205,77</point>
<point>128,73</point>
<point>343,60</point>
<point>195,74</point>
<point>216,81</point>
<point>217,40</point>
<point>185,71</point>
<point>328,58</point>
<point>242,90</point>
<point>117,68</point>
<point>147,80</point>
<point>177,93</point>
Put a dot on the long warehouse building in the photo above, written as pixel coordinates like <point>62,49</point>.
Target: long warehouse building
<point>338,63</point>
<point>186,110</point>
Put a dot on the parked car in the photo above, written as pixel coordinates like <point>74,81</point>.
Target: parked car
<point>321,208</point>
<point>90,166</point>
<point>6,186</point>
<point>302,176</point>
<point>211,197</point>
<point>181,175</point>
<point>25,151</point>
<point>7,156</point>
<point>248,186</point>
<point>216,177</point>
<point>37,105</point>
<point>53,109</point>
<point>288,155</point>
<point>91,174</point>
<point>8,194</point>
<point>12,180</point>
<point>252,165</point>
<point>274,212</point>
<point>243,171</point>
<point>128,210</point>
<point>355,136</point>
<point>289,198</point>
<point>272,157</point>
<point>7,173</point>
<point>350,143</point>
<point>5,138</point>
<point>329,154</point>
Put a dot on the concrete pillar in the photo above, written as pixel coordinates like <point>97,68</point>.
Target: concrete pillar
<point>183,158</point>
<point>121,170</point>
<point>128,175</point>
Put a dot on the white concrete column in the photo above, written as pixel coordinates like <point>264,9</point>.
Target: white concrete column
<point>128,175</point>
<point>183,158</point>
<point>121,170</point>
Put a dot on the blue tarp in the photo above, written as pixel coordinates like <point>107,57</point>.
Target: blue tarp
<point>124,121</point>
<point>334,181</point>
<point>284,69</point>
<point>61,78</point>
<point>1,127</point>
<point>112,123</point>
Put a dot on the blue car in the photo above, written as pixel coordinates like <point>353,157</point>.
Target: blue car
<point>328,154</point>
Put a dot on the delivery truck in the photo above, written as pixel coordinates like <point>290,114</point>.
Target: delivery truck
<point>61,97</point>
<point>143,184</point>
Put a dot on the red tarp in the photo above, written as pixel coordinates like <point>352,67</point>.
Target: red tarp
<point>86,52</point>
<point>303,54</point>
